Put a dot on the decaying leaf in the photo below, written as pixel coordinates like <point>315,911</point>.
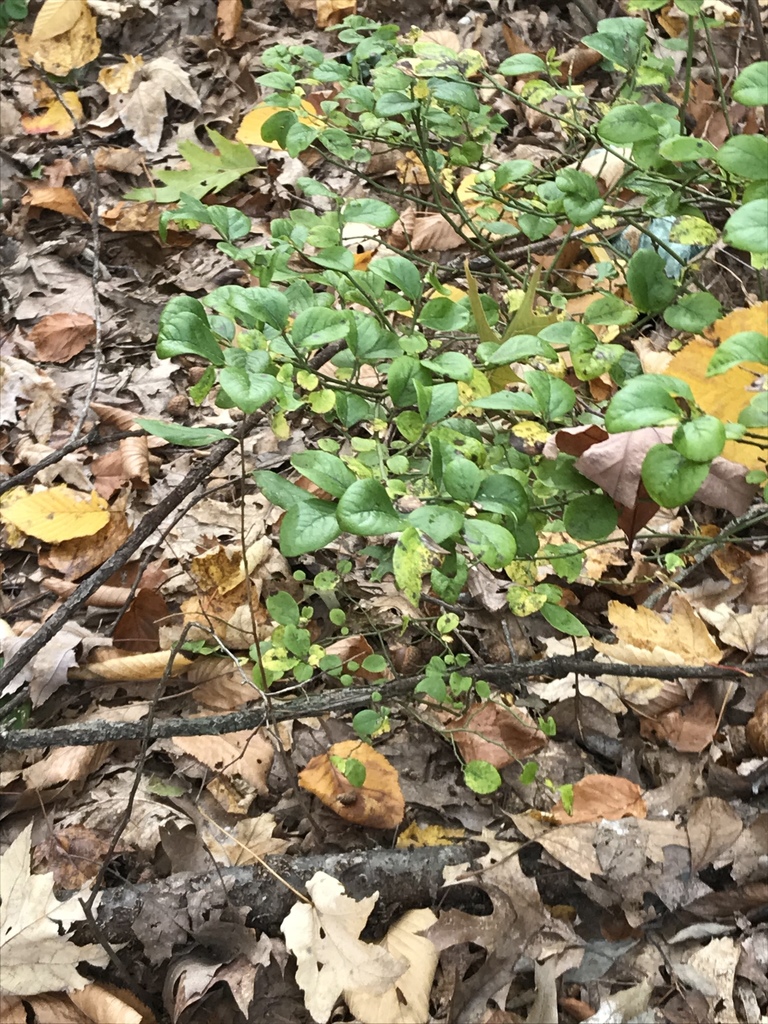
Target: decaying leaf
<point>602,796</point>
<point>63,37</point>
<point>489,731</point>
<point>332,960</point>
<point>60,336</point>
<point>245,754</point>
<point>36,958</point>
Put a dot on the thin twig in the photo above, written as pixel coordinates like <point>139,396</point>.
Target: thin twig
<point>50,460</point>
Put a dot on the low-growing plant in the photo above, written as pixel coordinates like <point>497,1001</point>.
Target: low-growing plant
<point>439,398</point>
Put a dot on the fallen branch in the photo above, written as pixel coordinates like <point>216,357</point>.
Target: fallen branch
<point>505,677</point>
<point>404,880</point>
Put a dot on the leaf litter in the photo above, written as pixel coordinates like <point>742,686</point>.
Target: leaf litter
<point>630,888</point>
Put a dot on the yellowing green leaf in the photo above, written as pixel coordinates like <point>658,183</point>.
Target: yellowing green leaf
<point>58,514</point>
<point>253,122</point>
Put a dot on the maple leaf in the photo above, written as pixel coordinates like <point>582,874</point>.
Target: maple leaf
<point>35,957</point>
<point>331,957</point>
<point>207,172</point>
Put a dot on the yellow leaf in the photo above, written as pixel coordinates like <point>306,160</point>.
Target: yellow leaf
<point>58,514</point>
<point>250,128</point>
<point>753,318</point>
<point>684,633</point>
<point>378,803</point>
<point>60,52</point>
<point>55,18</point>
<point>724,396</point>
<point>118,78</point>
<point>55,119</point>
<point>416,836</point>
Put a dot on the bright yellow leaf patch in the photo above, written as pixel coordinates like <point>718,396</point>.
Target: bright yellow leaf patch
<point>58,514</point>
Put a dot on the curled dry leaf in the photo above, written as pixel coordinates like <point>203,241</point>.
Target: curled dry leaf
<point>136,667</point>
<point>491,732</point>
<point>597,797</point>
<point>378,803</point>
<point>713,828</point>
<point>246,754</point>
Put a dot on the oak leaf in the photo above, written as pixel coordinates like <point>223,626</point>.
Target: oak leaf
<point>36,958</point>
<point>331,957</point>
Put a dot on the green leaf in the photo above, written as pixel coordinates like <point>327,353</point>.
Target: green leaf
<point>319,326</point>
<point>279,491</point>
<point>563,620</point>
<point>522,64</point>
<point>308,526</point>
<point>283,609</point>
<point>583,201</point>
<point>747,228</point>
<point>459,94</point>
<point>370,211</point>
<point>248,391</point>
<point>700,440</point>
<point>693,313</point>
<point>481,777</point>
<point>642,402</point>
<point>554,397</point>
<point>184,330</point>
<point>462,479</point>
<point>455,365</point>
<point>652,291</point>
<point>744,347</point>
<point>756,413</point>
<point>250,306</point>
<point>187,437</point>
<point>618,39</point>
<point>366,723</point>
<point>681,148</point>
<point>745,156</point>
<point>751,86</point>
<point>590,517</point>
<point>627,124</point>
<point>333,257</point>
<point>670,478</point>
<point>411,559</point>
<point>503,495</point>
<point>516,350</point>
<point>434,686</point>
<point>609,310</point>
<point>436,403</point>
<point>485,332</point>
<point>443,314</point>
<point>206,171</point>
<point>493,544</point>
<point>590,358</point>
<point>401,273</point>
<point>437,522</point>
<point>326,470</point>
<point>366,510</point>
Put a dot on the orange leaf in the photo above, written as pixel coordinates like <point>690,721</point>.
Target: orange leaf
<point>378,803</point>
<point>602,796</point>
<point>228,16</point>
<point>56,119</point>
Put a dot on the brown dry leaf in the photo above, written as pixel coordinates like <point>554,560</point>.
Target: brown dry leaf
<point>229,14</point>
<point>48,669</point>
<point>138,628</point>
<point>60,336</point>
<point>378,803</point>
<point>684,632</point>
<point>331,958</point>
<point>246,754</point>
<point>571,845</point>
<point>424,231</point>
<point>63,37</point>
<point>757,727</point>
<point>132,217</point>
<point>119,158</point>
<point>108,1003</point>
<point>251,839</point>
<point>491,732</point>
<point>220,569</point>
<point>748,631</point>
<point>74,855</point>
<point>597,797</point>
<point>221,683</point>
<point>228,615</point>
<point>60,200</point>
<point>355,648</point>
<point>36,957</point>
<point>75,558</point>
<point>689,728</point>
<point>713,828</point>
